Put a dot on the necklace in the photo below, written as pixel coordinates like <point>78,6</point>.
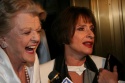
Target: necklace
<point>27,75</point>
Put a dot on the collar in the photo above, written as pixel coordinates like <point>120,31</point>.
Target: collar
<point>78,69</point>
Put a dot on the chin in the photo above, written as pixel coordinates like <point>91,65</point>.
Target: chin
<point>89,52</point>
<point>30,63</point>
<point>31,60</point>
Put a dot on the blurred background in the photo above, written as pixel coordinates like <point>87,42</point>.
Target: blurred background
<point>110,18</point>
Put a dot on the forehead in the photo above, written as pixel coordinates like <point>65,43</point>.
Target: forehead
<point>82,20</point>
<point>85,19</point>
<point>26,20</point>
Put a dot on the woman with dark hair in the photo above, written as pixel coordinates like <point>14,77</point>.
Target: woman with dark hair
<point>20,30</point>
<point>75,29</point>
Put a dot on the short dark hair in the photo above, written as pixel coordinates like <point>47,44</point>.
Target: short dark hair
<point>63,27</point>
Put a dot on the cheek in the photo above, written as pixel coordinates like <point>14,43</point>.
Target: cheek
<point>19,41</point>
<point>77,38</point>
<point>23,40</point>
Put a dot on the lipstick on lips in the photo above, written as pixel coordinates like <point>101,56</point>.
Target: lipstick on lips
<point>88,44</point>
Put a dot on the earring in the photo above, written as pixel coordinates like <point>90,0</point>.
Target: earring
<point>3,44</point>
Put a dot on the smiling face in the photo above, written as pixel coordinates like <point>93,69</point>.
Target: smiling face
<point>24,38</point>
<point>83,38</point>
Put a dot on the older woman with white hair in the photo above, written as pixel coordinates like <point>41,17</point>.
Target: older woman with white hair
<point>20,30</point>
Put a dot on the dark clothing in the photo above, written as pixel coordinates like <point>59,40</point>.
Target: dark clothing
<point>91,68</point>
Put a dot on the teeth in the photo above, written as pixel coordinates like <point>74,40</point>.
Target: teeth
<point>32,47</point>
<point>88,43</point>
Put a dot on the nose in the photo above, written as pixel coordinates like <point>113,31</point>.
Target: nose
<point>35,37</point>
<point>90,34</point>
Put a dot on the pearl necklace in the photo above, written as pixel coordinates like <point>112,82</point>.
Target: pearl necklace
<point>27,76</point>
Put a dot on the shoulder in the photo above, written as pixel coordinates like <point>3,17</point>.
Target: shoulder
<point>99,61</point>
<point>49,64</point>
<point>45,70</point>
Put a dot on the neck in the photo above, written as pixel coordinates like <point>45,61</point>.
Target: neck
<point>18,66</point>
<point>71,61</point>
<point>73,58</point>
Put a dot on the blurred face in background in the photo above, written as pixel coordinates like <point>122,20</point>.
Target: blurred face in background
<point>22,41</point>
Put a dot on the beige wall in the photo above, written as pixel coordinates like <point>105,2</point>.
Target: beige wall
<point>81,3</point>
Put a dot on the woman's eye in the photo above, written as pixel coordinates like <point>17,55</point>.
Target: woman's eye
<point>39,31</point>
<point>27,33</point>
<point>92,28</point>
<point>80,29</point>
